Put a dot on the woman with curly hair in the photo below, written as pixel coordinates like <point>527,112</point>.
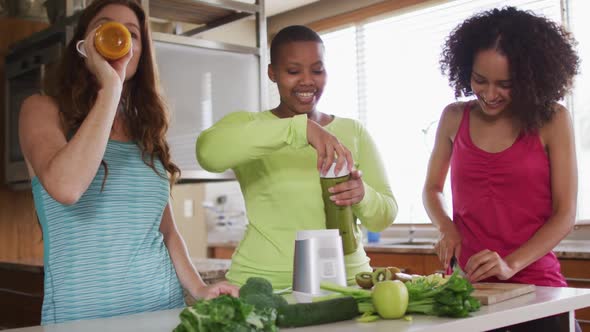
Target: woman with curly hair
<point>101,175</point>
<point>510,149</point>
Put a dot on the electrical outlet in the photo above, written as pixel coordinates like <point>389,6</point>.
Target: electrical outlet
<point>189,206</point>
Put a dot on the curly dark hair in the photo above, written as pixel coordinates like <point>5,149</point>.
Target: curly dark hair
<point>541,54</point>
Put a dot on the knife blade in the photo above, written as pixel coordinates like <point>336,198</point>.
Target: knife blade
<point>454,265</point>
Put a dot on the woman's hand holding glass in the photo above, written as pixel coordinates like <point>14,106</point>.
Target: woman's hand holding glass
<point>108,74</point>
<point>328,148</point>
<point>349,192</point>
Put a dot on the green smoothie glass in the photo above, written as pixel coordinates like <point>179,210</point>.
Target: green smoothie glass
<point>339,217</point>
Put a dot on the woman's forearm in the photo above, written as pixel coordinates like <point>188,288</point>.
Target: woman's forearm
<point>377,210</point>
<point>545,239</point>
<point>187,274</point>
<point>434,204</point>
<point>74,166</point>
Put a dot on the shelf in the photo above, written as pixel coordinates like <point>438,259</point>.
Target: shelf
<point>207,14</point>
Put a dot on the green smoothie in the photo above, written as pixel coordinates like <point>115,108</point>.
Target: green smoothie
<point>340,217</point>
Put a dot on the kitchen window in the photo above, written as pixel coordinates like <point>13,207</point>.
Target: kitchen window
<point>578,12</point>
<point>385,72</point>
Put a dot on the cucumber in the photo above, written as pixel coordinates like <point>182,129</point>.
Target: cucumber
<point>315,313</point>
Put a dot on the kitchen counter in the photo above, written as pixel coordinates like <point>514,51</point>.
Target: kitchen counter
<point>575,249</point>
<point>212,270</point>
<point>545,301</point>
<point>209,268</point>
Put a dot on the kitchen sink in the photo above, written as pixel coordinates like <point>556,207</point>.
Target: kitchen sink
<point>408,243</point>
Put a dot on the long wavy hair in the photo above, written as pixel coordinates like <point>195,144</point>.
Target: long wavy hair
<point>75,89</point>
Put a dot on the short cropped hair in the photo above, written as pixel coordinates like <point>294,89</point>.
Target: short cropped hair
<point>293,33</point>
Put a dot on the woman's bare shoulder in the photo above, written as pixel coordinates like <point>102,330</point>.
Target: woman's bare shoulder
<point>39,111</point>
<point>454,110</point>
<point>559,124</point>
<point>39,104</point>
<point>451,118</point>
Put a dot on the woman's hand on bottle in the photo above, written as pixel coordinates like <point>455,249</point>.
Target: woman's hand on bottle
<point>349,192</point>
<point>449,244</point>
<point>486,264</point>
<point>328,148</point>
<point>108,74</point>
<point>217,289</point>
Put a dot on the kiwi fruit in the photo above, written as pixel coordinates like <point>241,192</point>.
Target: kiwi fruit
<point>364,279</point>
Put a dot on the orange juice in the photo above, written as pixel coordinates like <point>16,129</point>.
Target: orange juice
<point>112,40</point>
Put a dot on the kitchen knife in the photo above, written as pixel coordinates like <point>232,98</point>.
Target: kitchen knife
<point>454,265</point>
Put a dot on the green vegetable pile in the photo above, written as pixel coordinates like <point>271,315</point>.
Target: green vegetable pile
<point>254,310</point>
<point>441,297</point>
<point>258,292</point>
<point>362,296</point>
<point>226,313</point>
<point>259,309</point>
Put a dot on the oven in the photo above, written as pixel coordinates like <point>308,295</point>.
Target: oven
<point>25,65</point>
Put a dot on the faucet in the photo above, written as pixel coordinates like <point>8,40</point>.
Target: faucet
<point>411,232</point>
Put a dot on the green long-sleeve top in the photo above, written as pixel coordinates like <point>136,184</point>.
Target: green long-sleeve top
<point>276,169</point>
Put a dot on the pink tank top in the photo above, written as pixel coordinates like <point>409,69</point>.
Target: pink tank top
<point>501,199</point>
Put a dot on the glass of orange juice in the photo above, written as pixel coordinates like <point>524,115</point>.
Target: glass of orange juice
<point>112,40</point>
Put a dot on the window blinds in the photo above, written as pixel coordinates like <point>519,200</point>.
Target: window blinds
<point>385,72</point>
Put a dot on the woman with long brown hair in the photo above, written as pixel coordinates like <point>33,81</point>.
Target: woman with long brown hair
<point>101,175</point>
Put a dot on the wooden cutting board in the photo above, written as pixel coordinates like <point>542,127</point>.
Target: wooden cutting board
<point>490,293</point>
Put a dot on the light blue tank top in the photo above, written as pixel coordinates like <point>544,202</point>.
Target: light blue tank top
<point>105,256</point>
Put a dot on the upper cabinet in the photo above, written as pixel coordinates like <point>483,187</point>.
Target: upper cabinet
<point>202,79</point>
<point>206,14</point>
<point>205,79</point>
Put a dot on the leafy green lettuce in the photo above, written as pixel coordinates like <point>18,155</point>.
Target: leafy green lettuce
<point>433,297</point>
<point>226,314</point>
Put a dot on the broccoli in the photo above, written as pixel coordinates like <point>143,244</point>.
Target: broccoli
<point>278,301</point>
<point>260,301</point>
<point>258,292</point>
<point>256,285</point>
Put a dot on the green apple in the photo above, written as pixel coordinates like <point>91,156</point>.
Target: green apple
<point>390,298</point>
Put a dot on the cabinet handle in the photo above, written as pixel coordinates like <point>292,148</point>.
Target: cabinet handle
<point>15,292</point>
<point>577,279</point>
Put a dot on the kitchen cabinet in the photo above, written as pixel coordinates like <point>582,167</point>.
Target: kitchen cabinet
<point>21,290</point>
<point>577,274</point>
<point>411,263</point>
<point>21,295</point>
<point>222,251</point>
<point>197,74</point>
